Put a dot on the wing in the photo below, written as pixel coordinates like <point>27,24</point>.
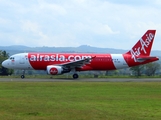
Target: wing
<point>77,64</point>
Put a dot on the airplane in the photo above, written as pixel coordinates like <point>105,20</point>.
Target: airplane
<point>60,63</point>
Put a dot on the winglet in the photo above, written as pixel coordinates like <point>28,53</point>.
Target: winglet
<point>143,46</point>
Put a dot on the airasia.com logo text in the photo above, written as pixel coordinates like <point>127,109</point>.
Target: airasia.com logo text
<point>57,57</point>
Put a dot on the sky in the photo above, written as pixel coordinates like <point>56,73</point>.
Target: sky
<point>71,23</point>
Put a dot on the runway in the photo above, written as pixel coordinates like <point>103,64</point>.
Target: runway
<point>81,80</point>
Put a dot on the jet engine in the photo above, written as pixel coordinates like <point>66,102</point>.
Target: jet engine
<point>54,70</point>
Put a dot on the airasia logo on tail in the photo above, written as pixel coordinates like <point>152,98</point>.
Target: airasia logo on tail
<point>54,71</point>
<point>142,48</point>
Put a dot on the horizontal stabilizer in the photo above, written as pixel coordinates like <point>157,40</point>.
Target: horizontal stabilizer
<point>144,58</point>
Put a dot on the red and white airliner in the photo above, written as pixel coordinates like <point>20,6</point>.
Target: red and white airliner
<point>59,63</point>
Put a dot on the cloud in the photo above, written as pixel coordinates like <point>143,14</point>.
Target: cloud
<point>75,22</point>
<point>30,26</point>
<point>49,8</point>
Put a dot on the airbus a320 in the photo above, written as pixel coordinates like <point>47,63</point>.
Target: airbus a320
<point>60,63</point>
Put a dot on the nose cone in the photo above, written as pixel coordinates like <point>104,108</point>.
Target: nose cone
<point>5,64</point>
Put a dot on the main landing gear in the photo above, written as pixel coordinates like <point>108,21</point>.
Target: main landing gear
<point>75,75</point>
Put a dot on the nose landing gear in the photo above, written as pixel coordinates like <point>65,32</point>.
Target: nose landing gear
<point>23,74</point>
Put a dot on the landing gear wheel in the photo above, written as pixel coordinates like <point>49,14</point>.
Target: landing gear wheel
<point>75,76</point>
<point>22,76</point>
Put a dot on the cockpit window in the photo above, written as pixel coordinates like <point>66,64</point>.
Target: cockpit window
<point>12,58</point>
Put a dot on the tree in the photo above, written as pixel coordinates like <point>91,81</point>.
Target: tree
<point>5,54</point>
<point>106,73</point>
<point>4,71</point>
<point>137,70</point>
<point>151,68</point>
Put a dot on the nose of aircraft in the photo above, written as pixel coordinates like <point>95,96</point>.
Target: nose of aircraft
<point>4,64</point>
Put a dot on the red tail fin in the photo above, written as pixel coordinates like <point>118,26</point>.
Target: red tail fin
<point>143,46</point>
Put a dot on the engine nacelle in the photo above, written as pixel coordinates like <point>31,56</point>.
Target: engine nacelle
<point>54,70</point>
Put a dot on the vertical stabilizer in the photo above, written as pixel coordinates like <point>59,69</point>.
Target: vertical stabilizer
<point>143,46</point>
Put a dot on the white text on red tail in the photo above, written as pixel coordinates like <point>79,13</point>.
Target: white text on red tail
<point>144,43</point>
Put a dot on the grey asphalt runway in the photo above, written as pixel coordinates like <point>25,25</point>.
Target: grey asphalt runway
<point>81,80</point>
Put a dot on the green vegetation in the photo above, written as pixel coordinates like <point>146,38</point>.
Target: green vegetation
<point>80,100</point>
<point>80,76</point>
<point>4,71</point>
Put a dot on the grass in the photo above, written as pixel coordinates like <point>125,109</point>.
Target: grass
<point>80,100</point>
<point>80,76</point>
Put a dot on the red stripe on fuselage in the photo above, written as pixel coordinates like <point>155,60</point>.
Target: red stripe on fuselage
<point>39,61</point>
